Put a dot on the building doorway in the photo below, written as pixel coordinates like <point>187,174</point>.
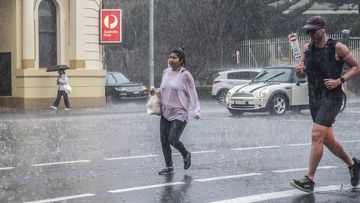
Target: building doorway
<point>5,74</point>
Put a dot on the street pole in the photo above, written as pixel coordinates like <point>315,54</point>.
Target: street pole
<point>151,43</point>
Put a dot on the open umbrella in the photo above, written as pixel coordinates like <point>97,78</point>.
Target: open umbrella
<point>57,68</point>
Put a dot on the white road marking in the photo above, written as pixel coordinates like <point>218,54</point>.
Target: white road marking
<point>350,141</point>
<point>62,198</point>
<point>281,194</point>
<point>292,120</point>
<point>7,168</point>
<point>227,177</point>
<point>145,187</point>
<point>203,152</point>
<point>302,169</point>
<point>300,144</point>
<point>251,148</point>
<point>64,162</point>
<point>349,122</point>
<point>307,144</point>
<point>198,152</point>
<point>130,157</point>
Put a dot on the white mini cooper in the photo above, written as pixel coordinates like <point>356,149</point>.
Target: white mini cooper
<point>275,89</point>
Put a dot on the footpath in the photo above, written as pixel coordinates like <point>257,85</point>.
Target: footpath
<point>352,103</point>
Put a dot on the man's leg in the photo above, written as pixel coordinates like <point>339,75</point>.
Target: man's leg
<point>335,147</point>
<point>318,134</point>
<point>317,147</point>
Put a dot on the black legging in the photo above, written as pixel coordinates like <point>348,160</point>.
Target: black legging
<point>170,132</point>
<point>58,97</point>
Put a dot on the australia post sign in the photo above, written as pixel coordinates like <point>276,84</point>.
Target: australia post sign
<point>110,26</point>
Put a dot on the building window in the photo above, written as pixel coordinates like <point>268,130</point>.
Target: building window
<point>47,34</point>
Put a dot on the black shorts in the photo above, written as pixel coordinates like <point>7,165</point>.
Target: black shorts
<point>325,111</point>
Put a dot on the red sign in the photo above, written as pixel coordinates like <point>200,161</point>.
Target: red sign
<point>292,37</point>
<point>110,26</point>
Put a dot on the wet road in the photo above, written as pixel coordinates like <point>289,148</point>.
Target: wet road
<point>114,154</point>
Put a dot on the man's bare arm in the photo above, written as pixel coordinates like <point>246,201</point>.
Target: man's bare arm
<point>344,53</point>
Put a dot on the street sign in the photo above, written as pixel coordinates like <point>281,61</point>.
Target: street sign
<point>294,43</point>
<point>110,26</point>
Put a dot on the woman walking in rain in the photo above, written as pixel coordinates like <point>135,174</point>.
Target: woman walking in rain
<point>178,97</point>
<point>61,81</point>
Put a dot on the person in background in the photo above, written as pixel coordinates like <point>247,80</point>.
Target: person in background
<point>322,62</point>
<point>61,80</point>
<point>178,97</point>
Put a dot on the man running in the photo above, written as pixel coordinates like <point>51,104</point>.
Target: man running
<point>322,62</point>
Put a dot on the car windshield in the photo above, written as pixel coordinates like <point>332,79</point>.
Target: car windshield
<point>273,75</point>
<point>120,78</point>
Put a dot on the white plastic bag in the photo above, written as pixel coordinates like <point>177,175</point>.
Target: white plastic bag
<point>67,88</point>
<point>153,106</point>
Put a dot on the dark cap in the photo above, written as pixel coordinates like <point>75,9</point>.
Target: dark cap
<point>315,22</point>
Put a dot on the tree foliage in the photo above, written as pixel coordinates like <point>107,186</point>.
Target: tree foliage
<point>209,30</point>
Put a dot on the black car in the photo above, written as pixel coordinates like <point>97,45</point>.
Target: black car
<point>118,87</point>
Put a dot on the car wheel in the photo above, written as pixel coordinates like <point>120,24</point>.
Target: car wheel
<point>278,105</point>
<point>221,96</point>
<point>235,112</point>
<point>343,104</point>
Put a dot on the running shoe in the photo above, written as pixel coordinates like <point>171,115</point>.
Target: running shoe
<point>305,184</point>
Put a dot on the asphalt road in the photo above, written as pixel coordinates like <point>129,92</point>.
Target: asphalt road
<point>114,154</point>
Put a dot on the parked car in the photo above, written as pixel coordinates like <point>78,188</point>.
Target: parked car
<point>275,89</point>
<point>118,87</point>
<point>228,79</point>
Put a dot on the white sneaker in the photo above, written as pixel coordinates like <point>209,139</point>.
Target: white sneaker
<point>67,109</point>
<point>53,107</point>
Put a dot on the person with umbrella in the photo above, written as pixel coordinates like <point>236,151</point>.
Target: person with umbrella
<point>62,80</point>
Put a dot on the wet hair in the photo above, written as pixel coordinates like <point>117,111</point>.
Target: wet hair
<point>180,53</point>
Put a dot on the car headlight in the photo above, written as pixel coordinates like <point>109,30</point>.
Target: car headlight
<point>264,92</point>
<point>120,88</point>
<point>227,97</point>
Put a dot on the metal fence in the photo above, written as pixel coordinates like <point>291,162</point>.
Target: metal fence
<point>264,52</point>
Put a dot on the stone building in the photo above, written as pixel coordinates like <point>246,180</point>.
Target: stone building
<point>36,34</point>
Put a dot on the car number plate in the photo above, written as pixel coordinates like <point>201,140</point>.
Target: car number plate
<point>239,102</point>
<point>136,92</point>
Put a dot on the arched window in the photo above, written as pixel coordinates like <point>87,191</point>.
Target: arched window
<point>47,34</point>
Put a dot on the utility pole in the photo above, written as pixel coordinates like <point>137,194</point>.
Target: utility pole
<point>151,43</point>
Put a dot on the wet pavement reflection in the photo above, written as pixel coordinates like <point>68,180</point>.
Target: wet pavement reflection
<point>82,157</point>
<point>175,193</point>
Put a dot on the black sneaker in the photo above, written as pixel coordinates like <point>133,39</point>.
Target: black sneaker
<point>187,161</point>
<point>166,171</point>
<point>354,172</point>
<point>304,184</point>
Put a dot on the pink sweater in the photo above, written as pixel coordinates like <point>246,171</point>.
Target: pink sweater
<point>178,95</point>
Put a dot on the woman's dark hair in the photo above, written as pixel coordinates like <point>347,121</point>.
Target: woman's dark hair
<point>180,53</point>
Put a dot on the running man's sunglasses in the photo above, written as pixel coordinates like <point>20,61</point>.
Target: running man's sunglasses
<point>312,31</point>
